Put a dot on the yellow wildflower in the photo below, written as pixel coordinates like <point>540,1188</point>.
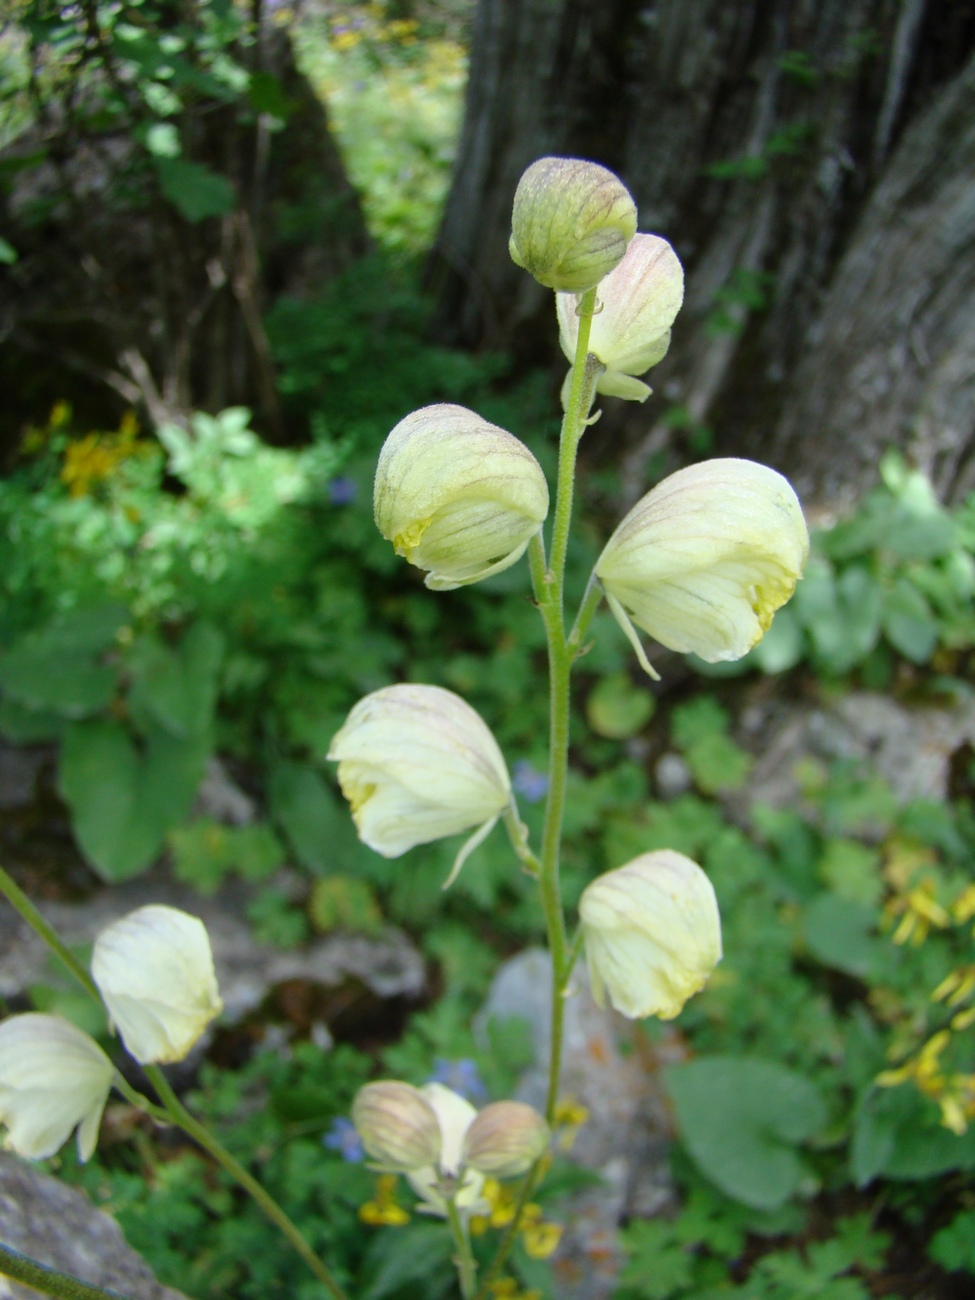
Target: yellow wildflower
<point>963,908</point>
<point>384,1209</point>
<point>570,1116</point>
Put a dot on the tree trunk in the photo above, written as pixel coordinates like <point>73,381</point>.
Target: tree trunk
<point>116,289</point>
<point>788,151</point>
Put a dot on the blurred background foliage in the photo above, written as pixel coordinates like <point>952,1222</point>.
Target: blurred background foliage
<point>189,572</point>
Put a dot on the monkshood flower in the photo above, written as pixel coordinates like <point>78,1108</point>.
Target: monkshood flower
<point>154,970</point>
<point>652,934</point>
<point>571,223</point>
<point>447,1173</point>
<point>397,1125</point>
<point>417,764</point>
<point>705,559</point>
<point>638,302</point>
<point>505,1139</point>
<point>457,496</point>
<point>53,1079</point>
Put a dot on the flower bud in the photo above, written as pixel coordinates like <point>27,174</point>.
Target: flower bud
<point>571,223</point>
<point>705,559</point>
<point>417,764</point>
<point>154,970</point>
<point>505,1139</point>
<point>457,496</point>
<point>53,1078</point>
<point>397,1125</point>
<point>652,934</point>
<point>631,331</point>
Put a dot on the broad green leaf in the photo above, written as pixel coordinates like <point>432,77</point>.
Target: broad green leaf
<point>782,646</point>
<point>177,687</point>
<point>897,1133</point>
<point>123,801</point>
<point>318,827</point>
<point>56,669</point>
<point>909,623</point>
<point>838,933</point>
<point>25,726</point>
<point>741,1119</point>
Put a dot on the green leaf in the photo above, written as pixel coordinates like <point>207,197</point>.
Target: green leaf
<point>954,1246</point>
<point>909,624</point>
<point>56,670</point>
<point>195,190</point>
<point>782,646</point>
<point>741,1118</point>
<point>617,709</point>
<point>318,827</point>
<point>852,870</point>
<point>8,254</point>
<point>717,763</point>
<point>177,687</point>
<point>204,851</point>
<point>123,801</point>
<point>344,902</point>
<point>401,1258</point>
<point>897,1133</point>
<point>700,718</point>
<point>25,726</point>
<point>659,1264</point>
<point>838,933</point>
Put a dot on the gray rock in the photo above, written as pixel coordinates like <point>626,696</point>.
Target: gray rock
<point>626,1136</point>
<point>220,798</point>
<point>909,747</point>
<point>60,1227</point>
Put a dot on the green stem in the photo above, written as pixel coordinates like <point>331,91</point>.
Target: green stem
<point>48,1280</point>
<point>464,1259</point>
<point>511,1231</point>
<point>550,597</point>
<point>18,899</point>
<point>181,1116</point>
<point>584,375</point>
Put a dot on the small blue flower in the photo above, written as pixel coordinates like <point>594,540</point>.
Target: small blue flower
<point>461,1077</point>
<point>342,491</point>
<point>529,782</point>
<point>342,1137</point>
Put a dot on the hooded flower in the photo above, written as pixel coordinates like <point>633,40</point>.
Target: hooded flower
<point>418,764</point>
<point>705,559</point>
<point>631,330</point>
<point>571,223</point>
<point>154,970</point>
<point>53,1078</point>
<point>652,934</point>
<point>454,1115</point>
<point>457,496</point>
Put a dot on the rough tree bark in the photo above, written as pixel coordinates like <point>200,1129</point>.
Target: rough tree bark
<point>811,162</point>
<point>111,294</point>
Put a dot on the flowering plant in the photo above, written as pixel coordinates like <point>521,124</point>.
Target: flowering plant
<point>701,564</point>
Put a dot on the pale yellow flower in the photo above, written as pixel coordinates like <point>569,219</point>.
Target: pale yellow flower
<point>705,559</point>
<point>652,934</point>
<point>457,496</point>
<point>416,764</point>
<point>154,970</point>
<point>638,302</point>
<point>53,1079</point>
